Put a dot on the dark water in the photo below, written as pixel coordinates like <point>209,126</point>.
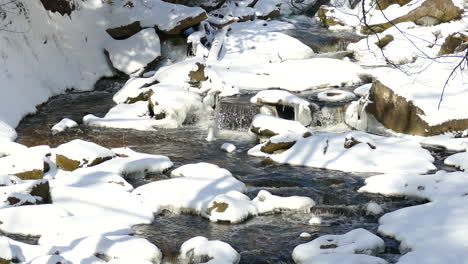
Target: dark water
<point>262,239</point>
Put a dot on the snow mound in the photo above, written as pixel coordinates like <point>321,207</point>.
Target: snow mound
<point>196,184</point>
<point>136,52</point>
<point>269,203</point>
<point>63,125</point>
<point>459,160</point>
<point>270,126</point>
<point>358,241</point>
<point>198,248</point>
<point>84,152</point>
<point>354,151</point>
<point>339,258</point>
<point>233,207</point>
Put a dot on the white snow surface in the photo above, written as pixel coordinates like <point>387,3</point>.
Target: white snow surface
<point>374,154</point>
<point>228,147</point>
<point>339,258</point>
<point>239,208</point>
<point>23,159</point>
<point>357,241</point>
<point>277,125</point>
<point>63,125</point>
<point>134,53</point>
<point>269,203</point>
<point>459,160</point>
<point>198,185</point>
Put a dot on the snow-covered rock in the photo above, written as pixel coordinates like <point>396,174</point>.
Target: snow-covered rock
<point>228,147</point>
<point>63,125</point>
<point>233,207</point>
<point>136,52</point>
<point>459,160</point>
<point>335,95</point>
<point>199,248</point>
<point>354,151</point>
<point>196,184</point>
<point>29,163</point>
<point>357,241</point>
<point>269,203</point>
<point>27,193</point>
<point>267,126</point>
<point>79,153</point>
<point>338,258</point>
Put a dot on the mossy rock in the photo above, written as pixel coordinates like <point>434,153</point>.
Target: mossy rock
<point>272,148</point>
<point>67,164</point>
<point>263,132</point>
<point>5,261</point>
<point>383,42</point>
<point>326,19</point>
<point>219,207</point>
<point>143,96</point>
<point>31,175</point>
<point>63,7</point>
<point>198,76</point>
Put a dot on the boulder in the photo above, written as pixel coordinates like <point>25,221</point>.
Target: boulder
<point>186,23</point>
<point>431,12</point>
<point>36,192</point>
<point>63,7</point>
<point>455,42</point>
<point>30,164</point>
<point>280,143</point>
<point>208,5</point>
<point>401,115</point>
<point>126,31</point>
<point>383,42</point>
<point>266,126</point>
<point>79,153</point>
<point>197,76</point>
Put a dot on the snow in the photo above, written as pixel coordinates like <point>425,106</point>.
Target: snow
<point>63,125</point>
<point>34,220</point>
<point>21,191</point>
<point>305,235</point>
<point>374,154</point>
<point>344,258</point>
<point>459,160</point>
<point>197,184</point>
<point>363,89</point>
<point>136,52</point>
<point>8,147</point>
<point>315,220</point>
<point>239,208</point>
<point>5,249</point>
<point>374,208</point>
<point>335,95</point>
<point>177,73</point>
<point>276,125</point>
<point>357,241</point>
<point>269,203</point>
<point>23,160</point>
<point>6,131</point>
<point>125,116</point>
<point>82,151</point>
<point>228,147</point>
<point>195,248</point>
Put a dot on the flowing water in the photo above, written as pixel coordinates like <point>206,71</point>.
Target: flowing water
<point>262,239</point>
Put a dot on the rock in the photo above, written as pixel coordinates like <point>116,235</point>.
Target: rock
<point>63,7</point>
<point>429,13</point>
<point>37,192</point>
<point>280,143</point>
<point>382,42</point>
<point>126,31</point>
<point>455,42</point>
<point>268,126</point>
<point>208,5</point>
<point>402,116</point>
<point>326,17</point>
<point>78,153</point>
<point>30,164</point>
<point>186,23</point>
<point>197,76</point>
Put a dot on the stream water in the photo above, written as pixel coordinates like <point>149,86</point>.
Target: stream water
<point>262,239</point>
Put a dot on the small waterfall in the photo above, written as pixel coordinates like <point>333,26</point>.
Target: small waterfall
<point>330,114</point>
<point>235,113</point>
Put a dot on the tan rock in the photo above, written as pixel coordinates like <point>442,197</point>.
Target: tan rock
<point>402,116</point>
<point>186,23</point>
<point>454,43</point>
<point>63,7</point>
<point>326,17</point>
<point>383,42</point>
<point>198,76</point>
<point>429,13</point>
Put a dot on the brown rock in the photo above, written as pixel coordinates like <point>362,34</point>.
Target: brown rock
<point>4,261</point>
<point>326,17</point>
<point>219,207</point>
<point>198,76</point>
<point>383,42</point>
<point>402,116</point>
<point>186,23</point>
<point>67,164</point>
<point>454,43</point>
<point>143,96</point>
<point>271,147</point>
<point>126,31</point>
<point>63,7</point>
<point>430,12</point>
<point>41,189</point>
